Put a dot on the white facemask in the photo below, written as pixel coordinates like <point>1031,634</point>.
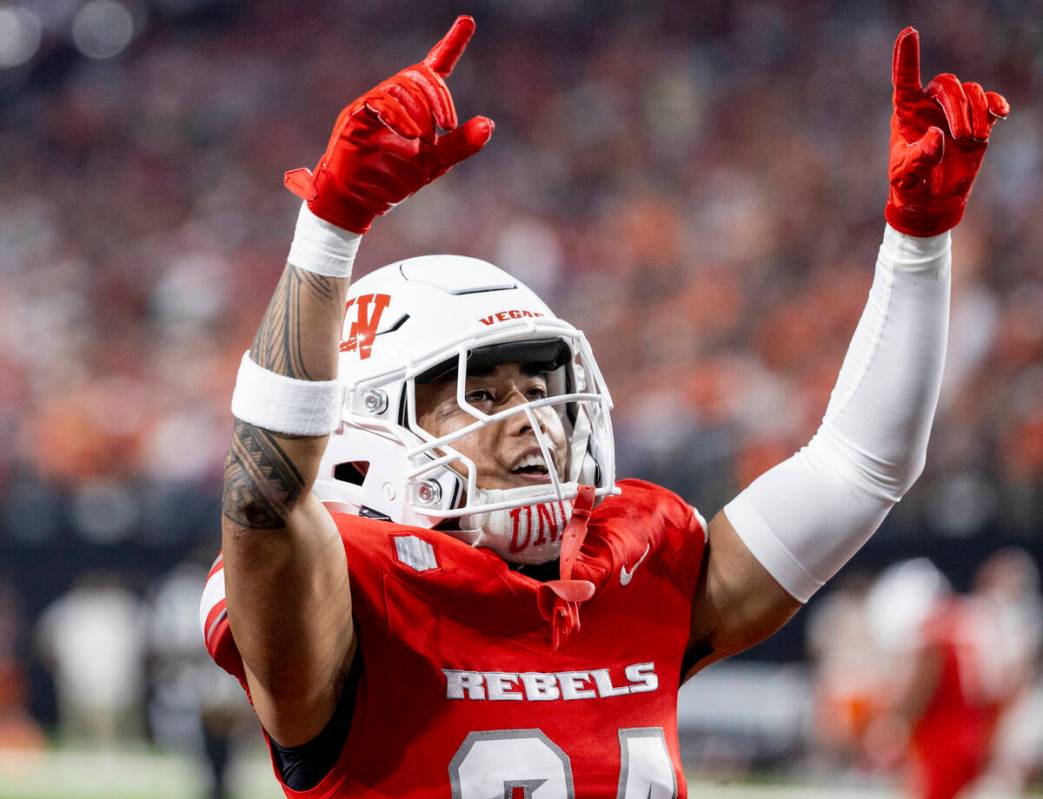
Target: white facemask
<point>527,534</point>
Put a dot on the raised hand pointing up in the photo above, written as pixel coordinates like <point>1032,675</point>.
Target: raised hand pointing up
<point>938,139</point>
<point>386,144</point>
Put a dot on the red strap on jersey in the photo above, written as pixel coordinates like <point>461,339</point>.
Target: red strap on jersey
<point>576,530</point>
<point>559,600</point>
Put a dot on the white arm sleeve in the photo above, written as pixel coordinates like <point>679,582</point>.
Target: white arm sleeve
<point>806,517</point>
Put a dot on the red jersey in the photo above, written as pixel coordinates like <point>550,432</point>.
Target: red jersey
<point>463,692</point>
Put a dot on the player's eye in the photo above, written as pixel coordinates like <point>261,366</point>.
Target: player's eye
<point>476,396</point>
<point>536,392</point>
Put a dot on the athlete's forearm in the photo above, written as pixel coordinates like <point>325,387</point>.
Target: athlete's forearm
<point>881,411</point>
<point>298,334</point>
<point>808,516</point>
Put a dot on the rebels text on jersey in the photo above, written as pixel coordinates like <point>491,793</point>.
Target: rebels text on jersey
<point>467,690</point>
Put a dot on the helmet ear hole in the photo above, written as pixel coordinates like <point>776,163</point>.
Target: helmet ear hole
<point>353,472</point>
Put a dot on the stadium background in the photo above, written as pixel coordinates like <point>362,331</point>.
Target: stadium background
<point>697,186</point>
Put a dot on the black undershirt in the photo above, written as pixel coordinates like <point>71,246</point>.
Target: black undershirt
<point>544,572</point>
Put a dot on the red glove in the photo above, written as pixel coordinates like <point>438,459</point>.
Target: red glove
<point>385,145</point>
<point>938,138</point>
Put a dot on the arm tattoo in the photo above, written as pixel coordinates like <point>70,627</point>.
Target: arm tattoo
<point>261,482</point>
<point>277,345</point>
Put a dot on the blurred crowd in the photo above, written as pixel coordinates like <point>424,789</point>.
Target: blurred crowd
<point>699,187</point>
<point>700,190</point>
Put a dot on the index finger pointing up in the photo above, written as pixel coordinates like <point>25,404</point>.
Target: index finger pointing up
<point>905,74</point>
<point>446,53</point>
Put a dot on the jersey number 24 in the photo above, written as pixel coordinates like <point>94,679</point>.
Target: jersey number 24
<point>526,764</point>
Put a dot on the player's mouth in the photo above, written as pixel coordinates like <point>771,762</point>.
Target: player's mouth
<point>530,469</point>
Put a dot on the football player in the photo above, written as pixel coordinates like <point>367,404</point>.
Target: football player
<point>957,666</point>
<point>432,583</point>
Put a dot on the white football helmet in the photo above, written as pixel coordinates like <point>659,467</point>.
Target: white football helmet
<point>426,317</point>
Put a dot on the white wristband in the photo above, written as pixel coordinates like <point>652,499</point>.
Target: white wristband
<point>321,247</point>
<point>285,404</point>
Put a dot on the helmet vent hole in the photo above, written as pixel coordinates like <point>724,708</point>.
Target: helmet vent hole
<point>353,472</point>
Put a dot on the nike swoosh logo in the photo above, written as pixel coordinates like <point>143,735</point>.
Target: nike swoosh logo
<point>626,576</point>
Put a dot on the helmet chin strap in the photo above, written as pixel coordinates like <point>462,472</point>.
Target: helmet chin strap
<point>559,600</point>
<point>528,534</point>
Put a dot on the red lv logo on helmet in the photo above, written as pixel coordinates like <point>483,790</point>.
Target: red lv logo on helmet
<point>369,308</point>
